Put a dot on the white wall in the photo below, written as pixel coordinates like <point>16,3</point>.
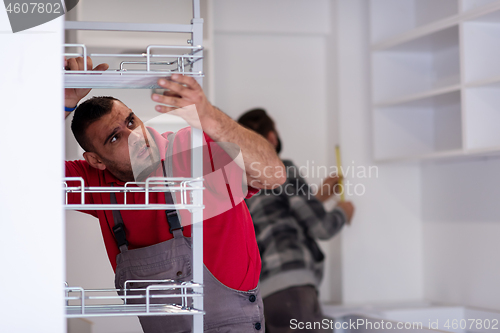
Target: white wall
<point>382,250</point>
<point>31,212</point>
<point>462,231</point>
<point>421,232</point>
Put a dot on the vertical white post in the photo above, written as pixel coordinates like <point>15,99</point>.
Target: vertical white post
<point>32,221</point>
<point>197,171</point>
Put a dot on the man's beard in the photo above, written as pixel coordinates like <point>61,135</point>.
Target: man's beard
<point>121,171</point>
<point>144,173</point>
<point>125,172</point>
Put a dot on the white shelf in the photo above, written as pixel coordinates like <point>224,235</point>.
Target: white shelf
<point>418,128</point>
<point>139,70</point>
<point>482,116</point>
<point>130,207</point>
<point>125,80</point>
<point>185,187</point>
<point>435,78</point>
<point>160,298</point>
<point>415,97</point>
<point>445,155</point>
<point>429,156</point>
<point>402,36</point>
<point>424,64</point>
<point>128,310</point>
<point>485,82</point>
<point>481,41</point>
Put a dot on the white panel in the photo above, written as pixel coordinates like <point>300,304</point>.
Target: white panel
<point>482,116</point>
<point>31,213</point>
<point>463,191</point>
<point>390,18</point>
<point>461,248</point>
<point>381,251</point>
<point>284,16</point>
<point>447,122</point>
<point>456,319</point>
<point>290,87</point>
<point>127,41</point>
<point>419,127</point>
<point>397,75</point>
<point>446,65</point>
<point>131,11</point>
<point>472,4</point>
<point>423,64</point>
<point>482,49</point>
<point>150,11</point>
<point>403,131</point>
<point>428,11</point>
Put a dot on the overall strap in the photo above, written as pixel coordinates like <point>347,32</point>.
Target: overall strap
<point>119,227</point>
<point>173,217</point>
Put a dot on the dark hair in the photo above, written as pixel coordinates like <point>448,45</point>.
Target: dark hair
<point>87,113</point>
<point>258,121</point>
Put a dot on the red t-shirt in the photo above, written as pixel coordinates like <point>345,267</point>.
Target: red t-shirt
<point>230,249</point>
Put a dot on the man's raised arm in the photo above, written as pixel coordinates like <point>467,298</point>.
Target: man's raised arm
<point>263,167</point>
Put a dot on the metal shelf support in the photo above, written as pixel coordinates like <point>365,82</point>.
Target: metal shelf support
<point>117,26</point>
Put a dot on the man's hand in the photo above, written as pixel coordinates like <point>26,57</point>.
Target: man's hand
<point>328,188</point>
<point>71,95</point>
<point>348,209</point>
<point>185,91</point>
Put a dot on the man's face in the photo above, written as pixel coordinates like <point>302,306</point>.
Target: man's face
<point>123,144</point>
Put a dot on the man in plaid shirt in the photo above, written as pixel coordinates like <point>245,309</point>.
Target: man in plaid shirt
<point>287,221</point>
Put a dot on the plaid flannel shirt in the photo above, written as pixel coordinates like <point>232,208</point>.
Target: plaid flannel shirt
<point>287,221</point>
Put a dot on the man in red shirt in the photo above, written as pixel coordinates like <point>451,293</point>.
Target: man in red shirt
<point>104,127</point>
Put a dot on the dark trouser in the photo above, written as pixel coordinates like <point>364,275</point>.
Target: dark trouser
<point>293,305</point>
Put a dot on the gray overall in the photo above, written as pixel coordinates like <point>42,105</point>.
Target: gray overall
<point>227,310</point>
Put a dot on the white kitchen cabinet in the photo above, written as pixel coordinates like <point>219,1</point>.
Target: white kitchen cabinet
<point>435,78</point>
<point>113,41</point>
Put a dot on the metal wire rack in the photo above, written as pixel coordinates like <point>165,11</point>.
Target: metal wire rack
<point>133,301</point>
<point>142,71</point>
<point>154,66</point>
<point>186,187</point>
